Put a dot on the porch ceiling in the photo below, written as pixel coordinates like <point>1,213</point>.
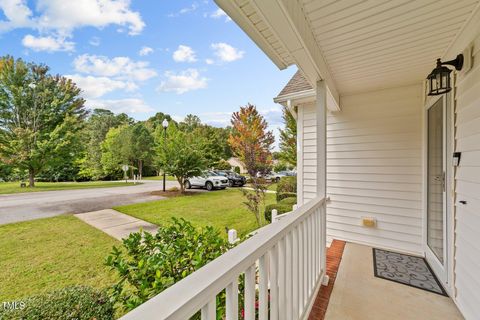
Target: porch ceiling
<point>362,44</point>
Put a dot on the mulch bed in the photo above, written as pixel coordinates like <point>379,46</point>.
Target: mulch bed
<point>173,193</point>
<point>334,256</point>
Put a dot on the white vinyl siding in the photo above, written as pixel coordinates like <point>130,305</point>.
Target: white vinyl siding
<point>374,168</point>
<point>467,187</point>
<point>307,165</point>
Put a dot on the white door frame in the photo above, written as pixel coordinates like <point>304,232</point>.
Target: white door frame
<point>443,272</point>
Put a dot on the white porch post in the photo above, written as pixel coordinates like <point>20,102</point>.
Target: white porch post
<point>321,117</point>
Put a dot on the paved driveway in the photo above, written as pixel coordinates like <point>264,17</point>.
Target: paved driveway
<point>34,205</point>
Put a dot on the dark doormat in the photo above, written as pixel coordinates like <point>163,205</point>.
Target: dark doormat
<point>406,269</point>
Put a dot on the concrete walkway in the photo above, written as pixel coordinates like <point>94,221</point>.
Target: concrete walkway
<point>359,295</point>
<point>34,205</point>
<point>116,224</point>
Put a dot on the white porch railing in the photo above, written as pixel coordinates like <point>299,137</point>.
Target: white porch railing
<point>283,263</point>
<point>277,217</point>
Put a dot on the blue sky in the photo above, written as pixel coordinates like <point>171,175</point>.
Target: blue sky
<point>141,57</point>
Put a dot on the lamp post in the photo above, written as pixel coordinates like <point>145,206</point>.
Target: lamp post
<point>165,126</point>
<point>33,86</point>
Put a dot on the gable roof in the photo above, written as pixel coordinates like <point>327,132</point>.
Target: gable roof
<point>297,83</point>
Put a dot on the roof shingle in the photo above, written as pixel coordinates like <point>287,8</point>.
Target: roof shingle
<point>297,83</point>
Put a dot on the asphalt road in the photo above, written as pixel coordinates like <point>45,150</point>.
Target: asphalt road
<point>35,205</point>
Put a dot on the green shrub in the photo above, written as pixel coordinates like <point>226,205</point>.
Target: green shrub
<point>281,208</point>
<point>286,185</point>
<point>285,195</point>
<point>280,166</point>
<point>290,201</point>
<point>79,303</point>
<point>237,169</point>
<point>223,165</point>
<point>148,264</point>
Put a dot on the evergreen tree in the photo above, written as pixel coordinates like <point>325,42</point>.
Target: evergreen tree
<point>288,139</point>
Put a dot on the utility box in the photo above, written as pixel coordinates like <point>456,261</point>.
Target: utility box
<point>369,222</point>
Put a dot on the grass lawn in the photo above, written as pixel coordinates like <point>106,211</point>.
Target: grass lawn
<point>272,187</point>
<point>217,208</point>
<point>46,254</point>
<point>14,187</point>
<point>168,178</point>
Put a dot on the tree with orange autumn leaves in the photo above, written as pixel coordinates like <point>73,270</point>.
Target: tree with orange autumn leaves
<point>251,142</point>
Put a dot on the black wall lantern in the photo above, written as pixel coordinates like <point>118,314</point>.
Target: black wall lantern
<point>439,78</point>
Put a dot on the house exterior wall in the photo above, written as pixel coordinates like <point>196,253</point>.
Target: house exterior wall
<point>467,184</point>
<point>235,162</point>
<point>374,167</point>
<point>307,153</point>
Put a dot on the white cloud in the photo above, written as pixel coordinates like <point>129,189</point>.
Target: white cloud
<point>94,41</point>
<point>226,52</point>
<point>57,19</point>
<point>67,15</point>
<point>184,54</point>
<point>130,105</point>
<point>95,87</point>
<point>145,51</point>
<point>121,67</point>
<point>183,81</point>
<point>209,61</point>
<point>216,119</point>
<point>219,13</point>
<point>48,43</point>
<point>193,7</point>
<point>273,116</point>
<point>18,14</point>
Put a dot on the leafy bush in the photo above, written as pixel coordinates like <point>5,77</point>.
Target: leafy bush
<point>148,264</point>
<point>79,303</point>
<point>280,166</point>
<point>223,165</point>
<point>290,201</point>
<point>286,185</point>
<point>285,195</point>
<point>281,208</point>
<point>237,169</point>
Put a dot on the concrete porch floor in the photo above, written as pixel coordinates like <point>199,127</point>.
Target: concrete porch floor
<point>358,295</point>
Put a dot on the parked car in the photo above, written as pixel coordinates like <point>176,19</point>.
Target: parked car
<point>209,180</point>
<point>276,176</point>
<point>234,179</point>
<point>291,173</point>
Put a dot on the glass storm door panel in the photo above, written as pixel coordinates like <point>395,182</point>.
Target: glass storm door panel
<point>436,181</point>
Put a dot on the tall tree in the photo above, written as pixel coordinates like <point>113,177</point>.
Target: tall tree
<point>40,115</point>
<point>190,123</point>
<point>181,155</point>
<point>116,150</point>
<point>288,139</point>
<point>142,145</point>
<point>94,133</point>
<point>216,139</point>
<point>250,140</point>
<point>127,144</point>
<point>155,121</point>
